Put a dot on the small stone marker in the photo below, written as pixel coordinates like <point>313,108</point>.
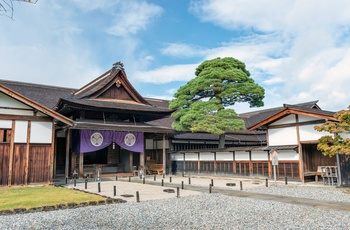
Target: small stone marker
<point>127,195</point>
<point>231,184</point>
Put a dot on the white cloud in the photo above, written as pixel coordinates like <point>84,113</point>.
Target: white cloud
<point>314,57</point>
<point>181,50</point>
<point>133,17</point>
<point>166,74</point>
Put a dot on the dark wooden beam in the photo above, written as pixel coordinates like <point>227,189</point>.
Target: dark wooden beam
<point>24,118</point>
<point>26,169</point>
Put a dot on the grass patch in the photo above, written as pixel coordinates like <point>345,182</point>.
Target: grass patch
<point>31,197</point>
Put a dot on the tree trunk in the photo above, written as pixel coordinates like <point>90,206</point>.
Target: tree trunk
<point>222,141</point>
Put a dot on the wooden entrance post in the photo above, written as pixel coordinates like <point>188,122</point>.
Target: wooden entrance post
<point>164,155</point>
<point>66,171</point>
<point>26,169</point>
<point>81,165</point>
<point>12,146</point>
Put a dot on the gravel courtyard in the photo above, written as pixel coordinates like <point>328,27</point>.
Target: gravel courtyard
<point>202,211</point>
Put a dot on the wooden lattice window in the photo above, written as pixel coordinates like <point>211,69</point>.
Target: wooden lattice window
<point>5,135</point>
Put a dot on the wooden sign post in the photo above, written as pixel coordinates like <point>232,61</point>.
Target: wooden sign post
<point>274,163</point>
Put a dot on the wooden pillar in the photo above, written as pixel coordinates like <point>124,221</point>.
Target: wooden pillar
<point>73,162</point>
<point>68,137</point>
<point>142,158</point>
<point>81,165</point>
<point>199,163</point>
<point>131,160</point>
<point>164,155</point>
<point>234,168</point>
<point>184,167</point>
<point>51,157</point>
<point>12,146</point>
<point>250,163</point>
<point>300,151</point>
<point>215,164</point>
<point>26,169</point>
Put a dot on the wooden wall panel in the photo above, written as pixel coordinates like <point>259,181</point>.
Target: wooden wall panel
<point>38,163</point>
<point>4,163</point>
<point>18,166</point>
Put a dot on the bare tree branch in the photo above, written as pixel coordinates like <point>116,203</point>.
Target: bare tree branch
<point>6,7</point>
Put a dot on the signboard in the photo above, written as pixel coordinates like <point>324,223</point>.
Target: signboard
<point>274,158</point>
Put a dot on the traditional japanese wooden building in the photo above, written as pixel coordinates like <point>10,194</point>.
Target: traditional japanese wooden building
<point>27,139</point>
<point>48,132</point>
<point>287,130</point>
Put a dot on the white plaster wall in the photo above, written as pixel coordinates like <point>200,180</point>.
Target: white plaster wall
<point>41,132</point>
<point>176,157</point>
<point>21,128</point>
<point>241,156</point>
<point>307,133</point>
<point>5,124</point>
<point>6,101</point>
<point>259,156</point>
<point>290,119</point>
<point>191,156</point>
<point>284,155</point>
<point>206,156</point>
<point>282,136</point>
<point>224,156</point>
<point>303,118</point>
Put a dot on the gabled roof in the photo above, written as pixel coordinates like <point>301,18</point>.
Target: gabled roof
<point>267,117</point>
<point>114,80</point>
<point>35,105</point>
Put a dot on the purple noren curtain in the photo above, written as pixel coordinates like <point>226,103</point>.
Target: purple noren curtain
<point>93,140</point>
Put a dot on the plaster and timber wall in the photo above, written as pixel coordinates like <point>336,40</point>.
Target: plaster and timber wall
<point>26,144</point>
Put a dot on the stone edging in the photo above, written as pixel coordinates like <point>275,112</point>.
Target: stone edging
<point>71,205</point>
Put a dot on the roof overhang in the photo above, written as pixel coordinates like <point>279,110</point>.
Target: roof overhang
<point>122,127</point>
<point>293,110</point>
<point>36,105</point>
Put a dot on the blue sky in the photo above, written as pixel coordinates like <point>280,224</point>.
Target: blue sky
<point>297,50</point>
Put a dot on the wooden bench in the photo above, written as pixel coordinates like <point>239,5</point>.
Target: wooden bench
<point>155,169</point>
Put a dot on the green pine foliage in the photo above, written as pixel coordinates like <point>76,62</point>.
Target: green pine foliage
<point>201,104</point>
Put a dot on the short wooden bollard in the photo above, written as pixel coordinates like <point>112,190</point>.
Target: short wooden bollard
<point>286,180</point>
<point>86,183</point>
<point>170,179</point>
<point>75,182</point>
<point>210,187</point>
<point>212,182</point>
<point>114,190</point>
<point>267,182</point>
<point>137,196</point>
<point>129,178</point>
<point>182,184</point>
<point>143,180</point>
<point>99,187</point>
<point>162,182</point>
<point>177,192</point>
<point>116,178</point>
<point>241,185</point>
<point>155,177</point>
<point>189,180</point>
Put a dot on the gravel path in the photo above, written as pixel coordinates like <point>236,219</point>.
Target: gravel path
<point>205,211</point>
